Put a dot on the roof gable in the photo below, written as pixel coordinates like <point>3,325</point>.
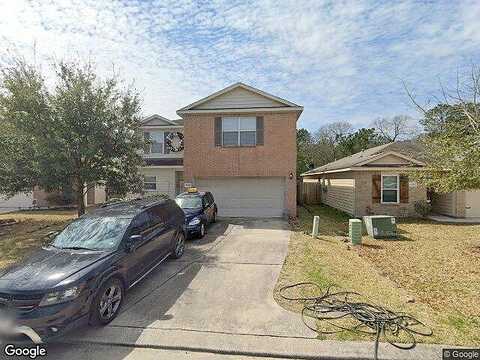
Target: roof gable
<point>239,96</point>
<point>396,154</point>
<point>157,120</point>
<point>390,158</point>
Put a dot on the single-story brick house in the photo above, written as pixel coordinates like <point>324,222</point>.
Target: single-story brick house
<point>377,181</point>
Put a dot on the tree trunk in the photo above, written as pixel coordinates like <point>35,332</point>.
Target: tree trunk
<point>80,199</point>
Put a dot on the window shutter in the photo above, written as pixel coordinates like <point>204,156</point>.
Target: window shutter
<point>404,189</point>
<point>376,189</point>
<point>146,138</point>
<point>259,130</point>
<point>166,149</point>
<point>218,131</point>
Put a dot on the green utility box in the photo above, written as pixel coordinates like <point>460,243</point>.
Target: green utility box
<point>381,226</point>
<point>355,231</point>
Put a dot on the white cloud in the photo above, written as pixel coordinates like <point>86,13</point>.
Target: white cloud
<point>342,60</point>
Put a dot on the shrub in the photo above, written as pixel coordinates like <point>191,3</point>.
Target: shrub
<point>423,207</point>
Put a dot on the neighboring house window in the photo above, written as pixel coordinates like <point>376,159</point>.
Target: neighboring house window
<point>239,131</point>
<point>157,143</point>
<point>150,183</point>
<point>390,189</point>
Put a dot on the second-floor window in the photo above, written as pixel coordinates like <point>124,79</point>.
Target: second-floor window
<point>239,131</point>
<point>157,142</point>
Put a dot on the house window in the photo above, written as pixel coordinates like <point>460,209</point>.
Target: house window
<point>390,189</point>
<point>239,131</point>
<point>150,183</point>
<point>157,144</point>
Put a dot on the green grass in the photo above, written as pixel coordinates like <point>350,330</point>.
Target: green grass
<point>30,232</point>
<point>437,267</point>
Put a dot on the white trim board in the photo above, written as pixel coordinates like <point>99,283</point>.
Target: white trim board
<point>376,168</point>
<point>240,111</point>
<point>158,117</point>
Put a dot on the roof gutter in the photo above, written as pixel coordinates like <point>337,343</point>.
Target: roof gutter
<point>378,168</point>
<point>326,172</point>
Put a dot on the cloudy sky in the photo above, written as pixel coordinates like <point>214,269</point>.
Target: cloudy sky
<point>341,60</point>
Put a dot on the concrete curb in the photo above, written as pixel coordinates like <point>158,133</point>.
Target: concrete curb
<point>251,345</point>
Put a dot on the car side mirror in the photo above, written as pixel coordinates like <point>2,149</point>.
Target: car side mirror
<point>130,246</point>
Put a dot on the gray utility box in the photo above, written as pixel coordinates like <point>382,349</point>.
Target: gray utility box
<point>381,226</point>
<point>355,231</point>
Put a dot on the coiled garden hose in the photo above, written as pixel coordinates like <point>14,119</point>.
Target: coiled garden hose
<point>331,310</point>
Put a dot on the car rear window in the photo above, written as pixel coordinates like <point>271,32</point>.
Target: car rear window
<point>189,202</point>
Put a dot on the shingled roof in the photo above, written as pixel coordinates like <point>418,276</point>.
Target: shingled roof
<point>409,148</point>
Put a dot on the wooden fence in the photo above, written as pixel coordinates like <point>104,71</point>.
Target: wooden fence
<point>309,192</point>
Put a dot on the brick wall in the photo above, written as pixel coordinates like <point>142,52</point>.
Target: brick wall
<point>277,157</point>
<point>363,197</point>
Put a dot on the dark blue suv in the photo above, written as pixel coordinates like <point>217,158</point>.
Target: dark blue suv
<point>82,276</point>
<point>200,210</point>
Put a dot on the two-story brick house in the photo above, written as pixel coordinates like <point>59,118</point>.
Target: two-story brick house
<point>240,144</point>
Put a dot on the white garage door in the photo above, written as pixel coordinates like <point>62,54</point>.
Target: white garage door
<point>472,200</point>
<point>19,201</point>
<point>246,197</point>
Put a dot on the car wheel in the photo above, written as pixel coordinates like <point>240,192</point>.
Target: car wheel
<point>179,248</point>
<point>202,232</point>
<point>107,302</point>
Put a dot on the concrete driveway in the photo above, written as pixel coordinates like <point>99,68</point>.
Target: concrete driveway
<point>221,290</point>
<point>217,303</point>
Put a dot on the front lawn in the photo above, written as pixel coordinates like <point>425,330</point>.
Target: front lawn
<point>433,273</point>
<point>30,232</point>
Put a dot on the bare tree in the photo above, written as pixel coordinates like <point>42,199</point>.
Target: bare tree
<point>466,98</point>
<point>328,137</point>
<point>395,128</point>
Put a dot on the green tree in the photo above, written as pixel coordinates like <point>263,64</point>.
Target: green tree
<point>304,148</point>
<point>80,132</point>
<point>452,137</point>
<point>452,150</point>
<point>360,140</point>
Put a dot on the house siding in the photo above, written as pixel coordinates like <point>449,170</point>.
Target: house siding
<point>276,158</point>
<point>165,179</point>
<point>338,191</point>
<point>450,204</point>
<point>445,204</point>
<point>363,197</point>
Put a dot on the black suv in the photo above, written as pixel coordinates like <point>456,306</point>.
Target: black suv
<point>83,274</point>
<point>200,210</point>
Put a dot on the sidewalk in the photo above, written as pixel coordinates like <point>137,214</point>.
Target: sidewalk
<point>451,220</point>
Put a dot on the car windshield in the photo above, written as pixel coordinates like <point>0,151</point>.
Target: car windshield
<point>92,233</point>
<point>189,202</point>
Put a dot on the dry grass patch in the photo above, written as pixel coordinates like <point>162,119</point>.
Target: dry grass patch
<point>435,266</point>
<point>30,232</point>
